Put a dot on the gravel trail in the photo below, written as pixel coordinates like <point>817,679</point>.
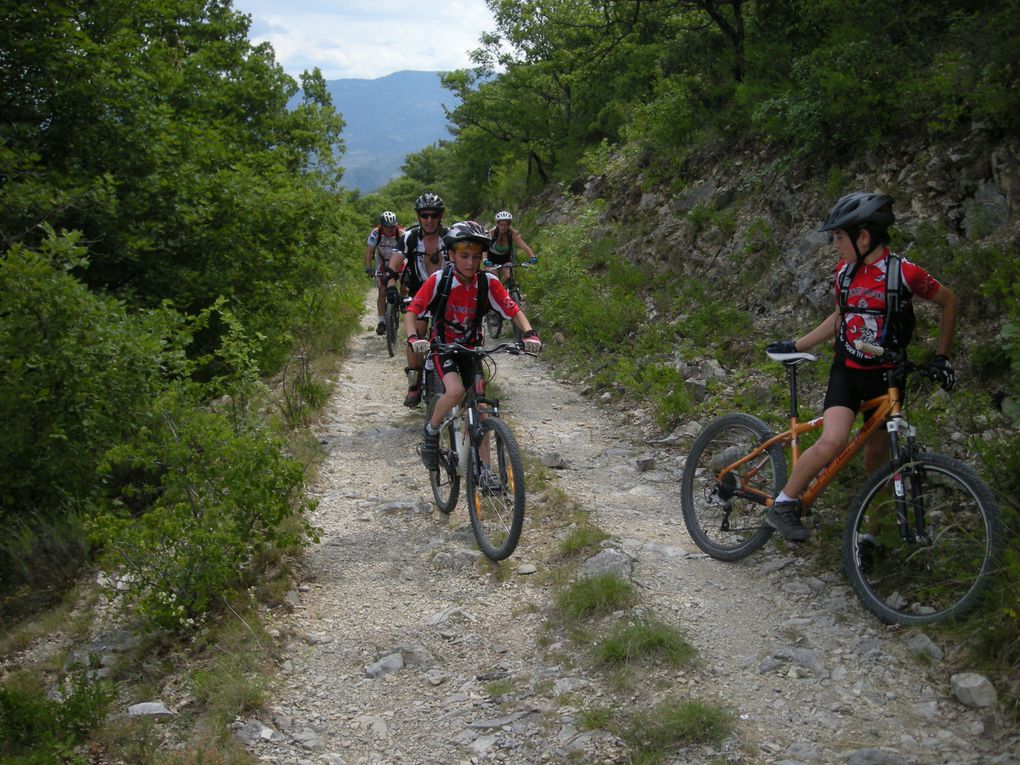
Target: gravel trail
<point>404,645</point>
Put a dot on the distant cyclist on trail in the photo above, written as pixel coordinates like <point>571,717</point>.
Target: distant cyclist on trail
<point>468,296</point>
<point>859,226</point>
<point>505,243</point>
<point>423,249</point>
<point>383,242</point>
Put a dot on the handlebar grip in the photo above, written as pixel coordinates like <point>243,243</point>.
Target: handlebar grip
<point>866,347</point>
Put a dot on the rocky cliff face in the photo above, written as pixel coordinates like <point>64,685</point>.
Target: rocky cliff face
<point>750,205</point>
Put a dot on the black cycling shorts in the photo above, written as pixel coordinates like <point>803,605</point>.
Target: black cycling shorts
<point>499,260</point>
<point>851,387</point>
<point>447,363</point>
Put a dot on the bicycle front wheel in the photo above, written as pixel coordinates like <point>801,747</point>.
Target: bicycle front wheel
<point>445,479</point>
<point>719,514</point>
<point>391,318</point>
<point>940,573</point>
<point>496,491</point>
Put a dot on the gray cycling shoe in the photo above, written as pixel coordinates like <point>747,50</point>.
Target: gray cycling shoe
<point>489,482</point>
<point>784,517</point>
<point>430,449</point>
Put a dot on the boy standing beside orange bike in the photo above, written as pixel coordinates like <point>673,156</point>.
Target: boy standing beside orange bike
<point>859,225</point>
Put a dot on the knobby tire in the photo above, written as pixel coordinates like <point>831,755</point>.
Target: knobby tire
<point>724,526</point>
<point>391,318</point>
<point>497,515</point>
<point>445,480</point>
<point>942,575</point>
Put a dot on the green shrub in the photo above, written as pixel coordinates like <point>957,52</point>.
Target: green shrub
<point>37,729</point>
<point>76,373</point>
<point>647,639</point>
<point>189,504</point>
<point>595,596</point>
<point>675,723</point>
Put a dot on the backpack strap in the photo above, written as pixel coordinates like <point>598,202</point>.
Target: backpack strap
<point>437,306</point>
<point>893,292</point>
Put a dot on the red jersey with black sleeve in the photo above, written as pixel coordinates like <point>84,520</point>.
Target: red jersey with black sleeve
<point>867,291</point>
<point>462,305</point>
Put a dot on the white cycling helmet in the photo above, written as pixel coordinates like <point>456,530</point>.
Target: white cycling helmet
<point>503,215</point>
<point>388,219</point>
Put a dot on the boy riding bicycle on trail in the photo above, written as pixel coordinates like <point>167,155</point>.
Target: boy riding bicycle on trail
<point>865,301</point>
<point>458,296</point>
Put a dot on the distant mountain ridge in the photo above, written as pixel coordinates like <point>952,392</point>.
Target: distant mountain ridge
<point>387,119</point>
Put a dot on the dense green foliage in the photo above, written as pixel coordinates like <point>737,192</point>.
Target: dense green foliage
<point>170,233</point>
<point>827,80</point>
<point>36,729</point>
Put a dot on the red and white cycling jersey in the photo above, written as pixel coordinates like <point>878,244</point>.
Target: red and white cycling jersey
<point>462,304</point>
<point>384,245</point>
<point>867,290</point>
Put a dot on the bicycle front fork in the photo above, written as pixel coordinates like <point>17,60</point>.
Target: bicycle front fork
<point>907,482</point>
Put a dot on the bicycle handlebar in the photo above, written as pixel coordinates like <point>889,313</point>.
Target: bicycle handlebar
<point>512,263</point>
<point>514,349</point>
<point>899,358</point>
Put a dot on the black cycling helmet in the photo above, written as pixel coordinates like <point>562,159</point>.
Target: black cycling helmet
<point>858,210</point>
<point>429,201</point>
<point>467,231</point>
<point>388,219</point>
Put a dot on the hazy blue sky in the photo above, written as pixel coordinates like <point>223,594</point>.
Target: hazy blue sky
<point>366,40</point>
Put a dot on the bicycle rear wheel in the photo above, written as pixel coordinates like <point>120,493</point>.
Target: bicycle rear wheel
<point>941,574</point>
<point>724,525</point>
<point>391,318</point>
<point>431,391</point>
<point>445,480</point>
<point>496,505</point>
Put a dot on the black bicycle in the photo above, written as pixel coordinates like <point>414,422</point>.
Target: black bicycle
<point>493,320</point>
<point>476,445</point>
<point>391,316</point>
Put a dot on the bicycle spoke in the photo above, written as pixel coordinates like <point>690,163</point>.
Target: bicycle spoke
<point>496,492</point>
<point>939,575</point>
<point>717,498</point>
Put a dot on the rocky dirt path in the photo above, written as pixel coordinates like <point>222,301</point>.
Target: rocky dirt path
<point>404,646</point>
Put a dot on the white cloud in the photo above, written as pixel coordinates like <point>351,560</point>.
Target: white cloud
<point>360,39</point>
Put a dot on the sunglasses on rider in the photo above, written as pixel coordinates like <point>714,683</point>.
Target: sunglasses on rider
<point>430,215</point>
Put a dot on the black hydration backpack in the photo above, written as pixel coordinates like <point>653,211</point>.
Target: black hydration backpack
<point>898,315</point>
<point>437,308</point>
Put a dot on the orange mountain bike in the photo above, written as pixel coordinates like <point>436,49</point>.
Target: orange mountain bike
<point>922,534</point>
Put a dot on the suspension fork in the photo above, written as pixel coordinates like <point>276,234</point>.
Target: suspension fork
<point>902,443</point>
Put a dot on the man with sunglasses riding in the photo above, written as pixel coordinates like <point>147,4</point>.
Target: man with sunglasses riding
<point>423,249</point>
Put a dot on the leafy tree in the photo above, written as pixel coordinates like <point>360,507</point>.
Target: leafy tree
<point>157,130</point>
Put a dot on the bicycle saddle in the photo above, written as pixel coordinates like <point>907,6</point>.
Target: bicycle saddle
<point>792,358</point>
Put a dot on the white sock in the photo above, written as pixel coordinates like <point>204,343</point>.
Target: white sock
<point>781,497</point>
<point>431,430</point>
<point>382,318</point>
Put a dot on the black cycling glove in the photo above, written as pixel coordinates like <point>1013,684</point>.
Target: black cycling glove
<point>942,371</point>
<point>781,346</point>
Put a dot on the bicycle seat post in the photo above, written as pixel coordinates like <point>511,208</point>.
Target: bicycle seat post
<point>791,373</point>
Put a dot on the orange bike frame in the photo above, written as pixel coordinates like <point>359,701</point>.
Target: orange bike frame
<point>885,406</point>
